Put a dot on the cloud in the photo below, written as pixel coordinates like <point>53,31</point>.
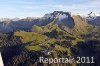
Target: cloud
<point>94,4</point>
<point>91,5</point>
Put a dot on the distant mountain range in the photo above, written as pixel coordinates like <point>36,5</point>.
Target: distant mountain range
<point>65,20</point>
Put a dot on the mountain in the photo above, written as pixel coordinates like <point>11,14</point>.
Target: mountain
<point>4,19</point>
<point>66,21</point>
<point>70,22</point>
<point>55,35</point>
<point>94,18</point>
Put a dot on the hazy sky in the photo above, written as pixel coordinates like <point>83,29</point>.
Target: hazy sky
<point>34,8</point>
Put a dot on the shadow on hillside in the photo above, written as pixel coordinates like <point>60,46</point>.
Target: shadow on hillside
<point>88,48</point>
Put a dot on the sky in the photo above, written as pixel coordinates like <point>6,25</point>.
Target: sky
<point>37,8</point>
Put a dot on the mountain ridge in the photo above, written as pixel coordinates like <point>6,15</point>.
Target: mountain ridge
<point>64,20</point>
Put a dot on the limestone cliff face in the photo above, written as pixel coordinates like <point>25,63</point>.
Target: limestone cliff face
<point>80,24</point>
<point>71,24</point>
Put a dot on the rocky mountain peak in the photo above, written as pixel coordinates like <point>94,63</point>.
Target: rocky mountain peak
<point>60,15</point>
<point>94,14</point>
